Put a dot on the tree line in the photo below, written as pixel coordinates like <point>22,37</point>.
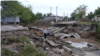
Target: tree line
<point>81,10</point>
<point>92,14</point>
<point>15,8</point>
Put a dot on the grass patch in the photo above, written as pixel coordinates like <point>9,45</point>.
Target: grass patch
<point>14,39</point>
<point>7,52</point>
<point>25,50</point>
<point>86,23</point>
<point>30,50</point>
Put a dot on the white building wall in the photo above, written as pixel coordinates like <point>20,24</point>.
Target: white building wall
<point>49,18</point>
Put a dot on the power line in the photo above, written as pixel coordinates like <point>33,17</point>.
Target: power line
<point>37,3</point>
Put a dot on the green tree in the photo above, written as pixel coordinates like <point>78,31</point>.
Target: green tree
<point>73,16</point>
<point>15,8</point>
<point>39,16</point>
<point>66,17</point>
<point>26,15</point>
<point>48,14</point>
<point>97,11</point>
<point>44,15</point>
<point>33,18</point>
<point>80,11</point>
<point>10,8</point>
<point>4,10</point>
<point>90,15</point>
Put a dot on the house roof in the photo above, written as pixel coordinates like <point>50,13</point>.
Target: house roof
<point>52,16</point>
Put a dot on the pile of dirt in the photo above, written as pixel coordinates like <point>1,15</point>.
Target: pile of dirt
<point>85,20</point>
<point>42,23</point>
<point>39,33</point>
<point>89,34</point>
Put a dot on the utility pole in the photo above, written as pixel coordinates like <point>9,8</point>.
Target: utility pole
<point>56,12</point>
<point>50,11</point>
<point>64,16</point>
<point>67,17</point>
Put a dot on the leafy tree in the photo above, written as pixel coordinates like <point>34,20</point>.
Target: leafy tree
<point>66,17</point>
<point>39,16</point>
<point>81,8</point>
<point>97,11</point>
<point>15,8</point>
<point>26,15</point>
<point>4,10</point>
<point>73,16</point>
<point>48,14</point>
<point>44,15</point>
<point>79,12</point>
<point>90,15</point>
<point>10,8</point>
<point>33,18</point>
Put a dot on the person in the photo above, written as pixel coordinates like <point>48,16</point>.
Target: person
<point>44,32</point>
<point>48,32</point>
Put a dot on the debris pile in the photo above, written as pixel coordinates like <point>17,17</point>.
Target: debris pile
<point>85,20</point>
<point>56,45</point>
<point>42,23</point>
<point>16,43</point>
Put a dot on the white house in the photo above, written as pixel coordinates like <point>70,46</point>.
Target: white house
<point>53,17</point>
<point>97,18</point>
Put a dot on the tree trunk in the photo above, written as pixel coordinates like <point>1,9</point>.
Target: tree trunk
<point>15,20</point>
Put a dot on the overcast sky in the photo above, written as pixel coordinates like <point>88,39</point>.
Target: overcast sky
<point>67,6</point>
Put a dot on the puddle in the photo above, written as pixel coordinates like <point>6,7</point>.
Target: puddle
<point>91,54</point>
<point>96,52</point>
<point>83,40</point>
<point>78,45</point>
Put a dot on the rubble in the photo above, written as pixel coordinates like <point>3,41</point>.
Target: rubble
<point>78,45</point>
<point>75,35</point>
<point>74,48</point>
<point>67,49</point>
<point>55,44</point>
<point>52,43</point>
<point>57,50</point>
<point>59,30</point>
<point>62,35</point>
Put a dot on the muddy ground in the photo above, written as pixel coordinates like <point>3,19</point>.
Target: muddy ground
<point>56,43</point>
<point>83,40</point>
